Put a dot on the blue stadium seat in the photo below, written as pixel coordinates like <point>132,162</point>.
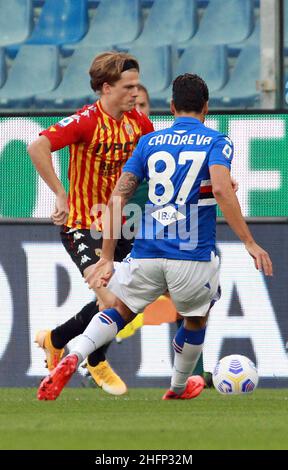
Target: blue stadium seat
<point>202,3</point>
<point>169,22</point>
<point>225,22</point>
<point>210,62</point>
<point>147,3</point>
<point>155,66</point>
<point>34,70</point>
<point>114,23</point>
<point>93,3</point>
<point>161,100</point>
<point>241,88</point>
<point>74,90</point>
<point>2,67</point>
<point>15,21</point>
<point>61,22</point>
<point>254,40</point>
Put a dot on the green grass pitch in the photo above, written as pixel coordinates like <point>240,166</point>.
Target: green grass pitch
<point>90,419</point>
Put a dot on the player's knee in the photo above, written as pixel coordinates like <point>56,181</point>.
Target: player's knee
<point>124,311</point>
<point>195,323</point>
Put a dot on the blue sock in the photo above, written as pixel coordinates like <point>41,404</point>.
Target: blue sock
<point>189,336</point>
<point>110,315</point>
<point>188,345</point>
<point>101,330</point>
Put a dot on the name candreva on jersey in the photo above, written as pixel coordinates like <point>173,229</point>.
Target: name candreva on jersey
<point>176,139</point>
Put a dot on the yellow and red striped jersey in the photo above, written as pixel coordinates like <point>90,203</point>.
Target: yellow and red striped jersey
<point>99,146</point>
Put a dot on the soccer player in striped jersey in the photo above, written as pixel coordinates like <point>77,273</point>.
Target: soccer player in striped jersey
<point>101,137</point>
<point>187,167</point>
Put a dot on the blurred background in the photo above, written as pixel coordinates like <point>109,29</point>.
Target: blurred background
<point>239,47</point>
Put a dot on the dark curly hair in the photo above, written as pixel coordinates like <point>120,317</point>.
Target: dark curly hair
<point>189,93</point>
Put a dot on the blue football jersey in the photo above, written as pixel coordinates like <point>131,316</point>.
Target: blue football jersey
<point>179,221</point>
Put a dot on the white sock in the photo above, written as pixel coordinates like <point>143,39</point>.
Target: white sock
<point>184,364</point>
<point>103,327</point>
<point>188,346</point>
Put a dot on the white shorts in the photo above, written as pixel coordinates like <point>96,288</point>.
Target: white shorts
<point>192,285</point>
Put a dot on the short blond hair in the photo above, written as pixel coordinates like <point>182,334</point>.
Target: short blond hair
<point>108,66</point>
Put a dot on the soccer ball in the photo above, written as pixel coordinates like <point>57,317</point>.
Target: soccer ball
<point>235,375</point>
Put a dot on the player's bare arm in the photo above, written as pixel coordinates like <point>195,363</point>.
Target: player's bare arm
<point>123,191</point>
<point>229,205</point>
<point>102,271</point>
<point>40,154</point>
<point>126,186</point>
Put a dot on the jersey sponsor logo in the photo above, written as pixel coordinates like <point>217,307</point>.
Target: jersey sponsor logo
<point>110,168</point>
<point>167,215</point>
<point>114,147</point>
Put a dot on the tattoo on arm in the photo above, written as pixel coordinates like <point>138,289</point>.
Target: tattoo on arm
<point>126,185</point>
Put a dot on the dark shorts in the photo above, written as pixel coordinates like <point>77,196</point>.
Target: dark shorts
<point>86,250</point>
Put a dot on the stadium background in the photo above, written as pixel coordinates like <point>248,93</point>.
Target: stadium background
<point>40,287</point>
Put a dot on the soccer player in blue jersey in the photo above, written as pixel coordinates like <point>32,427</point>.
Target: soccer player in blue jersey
<point>187,167</point>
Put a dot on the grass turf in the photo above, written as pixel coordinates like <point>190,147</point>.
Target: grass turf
<point>90,419</point>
